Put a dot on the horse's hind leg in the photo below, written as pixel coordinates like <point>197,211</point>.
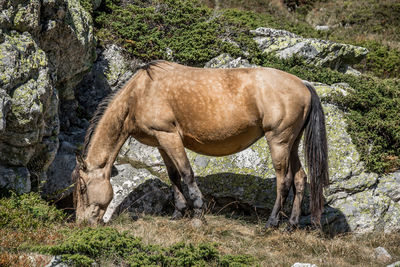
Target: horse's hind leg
<point>298,189</point>
<point>280,153</point>
<point>171,144</point>
<point>299,183</point>
<point>175,177</point>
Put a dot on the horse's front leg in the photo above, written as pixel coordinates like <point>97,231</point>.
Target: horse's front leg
<point>284,179</point>
<point>174,176</point>
<point>171,144</point>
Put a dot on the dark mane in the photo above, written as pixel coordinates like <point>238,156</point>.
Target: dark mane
<point>98,114</point>
<point>103,105</point>
<point>148,67</point>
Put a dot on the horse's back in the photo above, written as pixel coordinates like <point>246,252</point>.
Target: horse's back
<point>218,111</point>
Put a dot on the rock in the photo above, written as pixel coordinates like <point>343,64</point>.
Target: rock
<point>67,20</point>
<point>29,119</point>
<point>57,262</point>
<point>15,178</point>
<point>351,71</point>
<point>140,156</point>
<point>395,264</point>
<point>317,52</point>
<point>225,61</point>
<point>137,191</point>
<point>110,71</point>
<point>298,264</point>
<point>35,70</point>
<point>382,255</point>
<point>59,183</point>
<point>196,223</point>
<point>322,28</point>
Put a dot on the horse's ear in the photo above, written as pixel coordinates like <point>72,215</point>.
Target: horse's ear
<point>81,162</point>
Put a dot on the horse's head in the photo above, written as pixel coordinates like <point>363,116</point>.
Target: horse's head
<point>92,192</point>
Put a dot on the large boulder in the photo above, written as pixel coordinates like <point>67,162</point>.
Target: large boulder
<point>318,52</point>
<point>45,48</point>
<point>110,71</point>
<point>29,106</point>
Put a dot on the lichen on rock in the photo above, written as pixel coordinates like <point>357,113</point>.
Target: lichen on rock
<point>34,67</point>
<point>317,52</point>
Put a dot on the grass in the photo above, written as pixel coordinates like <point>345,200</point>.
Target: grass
<point>271,248</point>
<point>223,241</point>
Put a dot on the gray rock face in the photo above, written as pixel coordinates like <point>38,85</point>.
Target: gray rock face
<point>34,67</point>
<point>137,191</point>
<point>110,71</point>
<point>382,255</point>
<point>225,61</point>
<point>285,44</point>
<point>395,264</point>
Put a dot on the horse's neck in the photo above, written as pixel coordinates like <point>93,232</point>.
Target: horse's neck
<point>110,134</point>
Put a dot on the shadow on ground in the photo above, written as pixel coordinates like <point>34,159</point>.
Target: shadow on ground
<point>238,196</point>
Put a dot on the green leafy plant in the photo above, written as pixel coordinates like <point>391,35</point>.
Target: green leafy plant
<point>84,247</point>
<point>27,211</point>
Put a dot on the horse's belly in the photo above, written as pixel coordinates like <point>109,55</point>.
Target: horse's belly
<point>226,146</point>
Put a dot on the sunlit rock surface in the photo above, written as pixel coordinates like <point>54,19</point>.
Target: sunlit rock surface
<point>36,71</point>
<point>317,52</point>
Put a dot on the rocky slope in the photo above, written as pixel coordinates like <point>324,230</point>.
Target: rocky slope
<point>45,48</point>
<point>46,96</point>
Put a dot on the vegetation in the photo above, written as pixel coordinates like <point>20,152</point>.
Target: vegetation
<point>158,241</point>
<point>27,211</point>
<point>183,31</point>
<point>372,24</point>
<point>85,246</point>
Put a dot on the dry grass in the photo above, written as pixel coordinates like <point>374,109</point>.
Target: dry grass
<point>233,236</point>
<point>270,248</point>
<point>12,242</point>
<point>367,20</point>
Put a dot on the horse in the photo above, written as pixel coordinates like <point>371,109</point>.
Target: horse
<point>214,112</point>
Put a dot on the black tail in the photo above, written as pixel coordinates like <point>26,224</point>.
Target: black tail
<point>316,154</point>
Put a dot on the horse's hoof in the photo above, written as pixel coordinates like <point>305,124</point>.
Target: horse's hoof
<point>177,215</point>
<point>272,224</point>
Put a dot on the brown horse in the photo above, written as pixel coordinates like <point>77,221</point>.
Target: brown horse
<point>214,112</point>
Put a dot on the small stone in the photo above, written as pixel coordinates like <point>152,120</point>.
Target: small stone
<point>196,223</point>
<point>396,264</point>
<point>298,264</point>
<point>322,28</point>
<point>382,255</point>
<point>57,262</point>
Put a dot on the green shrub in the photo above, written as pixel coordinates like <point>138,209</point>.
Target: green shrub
<point>27,211</point>
<point>381,61</point>
<point>87,5</point>
<point>192,32</point>
<point>86,246</point>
